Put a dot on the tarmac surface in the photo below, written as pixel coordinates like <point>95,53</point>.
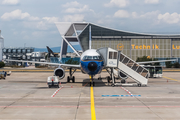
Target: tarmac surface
<point>25,95</point>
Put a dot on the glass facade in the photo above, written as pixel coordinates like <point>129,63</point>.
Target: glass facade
<point>154,48</point>
<point>176,48</point>
<point>84,39</point>
<point>117,44</point>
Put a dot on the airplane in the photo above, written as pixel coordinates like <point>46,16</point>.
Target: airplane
<point>91,63</point>
<point>50,52</point>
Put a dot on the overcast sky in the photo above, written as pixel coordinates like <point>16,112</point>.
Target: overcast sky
<point>31,22</point>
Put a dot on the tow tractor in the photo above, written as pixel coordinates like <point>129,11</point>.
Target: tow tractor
<point>53,81</point>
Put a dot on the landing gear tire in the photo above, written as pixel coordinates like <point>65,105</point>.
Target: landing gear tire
<point>90,84</point>
<point>108,79</point>
<point>73,79</point>
<point>68,79</point>
<point>93,83</point>
<point>99,78</point>
<point>112,85</point>
<point>49,86</point>
<point>139,85</point>
<point>123,81</point>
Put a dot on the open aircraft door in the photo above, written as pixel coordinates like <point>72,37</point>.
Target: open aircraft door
<point>110,57</point>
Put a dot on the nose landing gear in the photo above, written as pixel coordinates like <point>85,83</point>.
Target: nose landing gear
<point>92,83</point>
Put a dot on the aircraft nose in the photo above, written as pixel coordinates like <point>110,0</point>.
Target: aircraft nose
<point>92,66</point>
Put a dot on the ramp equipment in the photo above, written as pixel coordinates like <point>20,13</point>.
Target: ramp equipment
<point>117,63</point>
<point>53,81</point>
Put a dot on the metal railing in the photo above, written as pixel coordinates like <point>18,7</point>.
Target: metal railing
<point>133,65</point>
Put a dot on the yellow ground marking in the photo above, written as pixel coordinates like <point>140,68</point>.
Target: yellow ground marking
<point>171,79</point>
<point>93,113</point>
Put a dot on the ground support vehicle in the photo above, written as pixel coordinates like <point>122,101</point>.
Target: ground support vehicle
<point>53,81</point>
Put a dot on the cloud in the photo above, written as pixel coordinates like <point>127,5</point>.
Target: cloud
<point>148,15</point>
<point>85,8</point>
<point>72,4</point>
<point>118,3</point>
<point>73,18</point>
<point>134,15</point>
<point>18,15</point>
<point>75,7</point>
<point>42,25</point>
<point>121,14</point>
<point>46,23</point>
<point>173,18</point>
<point>51,19</point>
<point>151,1</point>
<point>10,2</point>
<point>38,33</point>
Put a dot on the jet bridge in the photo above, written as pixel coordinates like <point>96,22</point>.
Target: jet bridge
<point>115,60</point>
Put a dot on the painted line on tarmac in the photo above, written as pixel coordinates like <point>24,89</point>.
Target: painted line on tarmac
<point>121,95</point>
<point>85,84</point>
<point>171,70</point>
<point>83,97</point>
<point>93,113</point>
<point>127,91</point>
<point>56,92</point>
<point>165,106</point>
<point>43,106</point>
<point>171,79</point>
<point>138,106</point>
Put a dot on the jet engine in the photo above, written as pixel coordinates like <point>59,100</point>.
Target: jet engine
<point>59,72</point>
<point>122,75</point>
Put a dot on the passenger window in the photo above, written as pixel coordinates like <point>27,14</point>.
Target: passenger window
<point>110,55</point>
<point>115,55</point>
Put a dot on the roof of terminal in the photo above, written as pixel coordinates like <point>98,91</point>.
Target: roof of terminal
<point>113,32</point>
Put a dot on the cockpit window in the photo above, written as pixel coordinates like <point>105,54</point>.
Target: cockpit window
<point>92,58</point>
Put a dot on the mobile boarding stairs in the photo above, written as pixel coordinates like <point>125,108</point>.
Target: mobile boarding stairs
<point>115,62</point>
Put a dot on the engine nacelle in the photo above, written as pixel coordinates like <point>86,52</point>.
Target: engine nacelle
<point>59,72</point>
<point>122,75</point>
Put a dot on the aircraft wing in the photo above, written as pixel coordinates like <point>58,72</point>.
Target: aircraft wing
<point>156,61</point>
<point>48,63</point>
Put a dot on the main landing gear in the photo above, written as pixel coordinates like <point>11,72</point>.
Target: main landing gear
<point>111,77</point>
<point>71,77</point>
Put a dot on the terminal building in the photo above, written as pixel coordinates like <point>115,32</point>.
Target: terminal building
<point>22,53</point>
<point>130,43</point>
